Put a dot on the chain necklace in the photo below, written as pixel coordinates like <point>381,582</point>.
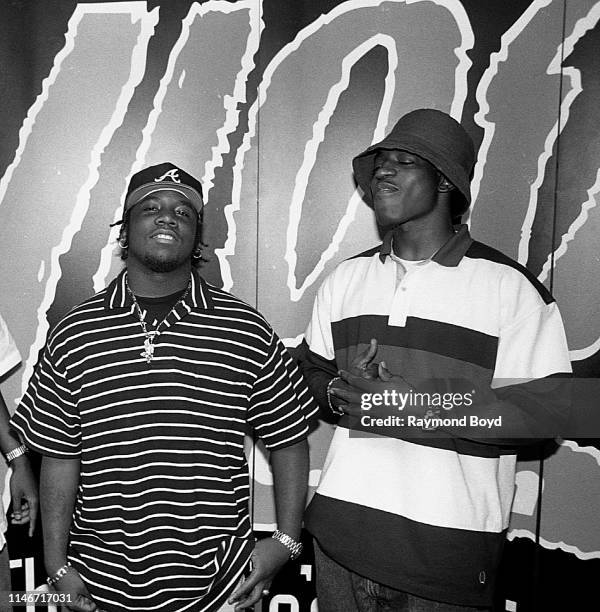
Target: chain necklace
<point>150,336</point>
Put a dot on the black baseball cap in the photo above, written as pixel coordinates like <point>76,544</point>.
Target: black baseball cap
<point>162,177</point>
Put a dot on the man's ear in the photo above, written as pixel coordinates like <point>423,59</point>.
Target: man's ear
<point>123,236</point>
<point>444,185</point>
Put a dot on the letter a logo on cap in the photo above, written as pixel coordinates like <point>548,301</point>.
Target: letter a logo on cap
<point>172,174</point>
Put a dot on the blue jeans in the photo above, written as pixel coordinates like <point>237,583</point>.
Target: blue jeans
<point>341,590</point>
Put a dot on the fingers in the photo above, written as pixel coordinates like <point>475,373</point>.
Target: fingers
<point>86,604</point>
<point>82,604</point>
<point>257,592</point>
<point>363,364</point>
<point>372,349</point>
<point>20,513</point>
<point>350,404</point>
<point>348,395</point>
<point>383,372</point>
<point>33,514</point>
<point>351,379</point>
<point>363,359</point>
<point>25,512</point>
<point>244,588</point>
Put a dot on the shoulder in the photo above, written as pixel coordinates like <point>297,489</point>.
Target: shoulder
<point>513,275</point>
<point>228,305</point>
<point>356,265</point>
<point>366,255</point>
<point>85,313</point>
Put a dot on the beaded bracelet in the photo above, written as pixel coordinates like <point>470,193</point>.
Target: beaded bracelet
<point>334,409</point>
<point>60,573</point>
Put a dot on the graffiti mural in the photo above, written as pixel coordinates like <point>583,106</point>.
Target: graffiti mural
<point>268,101</point>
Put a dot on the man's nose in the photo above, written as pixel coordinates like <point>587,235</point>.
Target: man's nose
<point>383,170</point>
<point>166,217</point>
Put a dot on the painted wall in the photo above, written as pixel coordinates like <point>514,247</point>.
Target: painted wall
<point>268,102</point>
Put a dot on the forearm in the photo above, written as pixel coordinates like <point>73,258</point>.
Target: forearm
<point>58,491</point>
<point>290,476</point>
<point>317,372</point>
<point>517,414</point>
<point>513,415</point>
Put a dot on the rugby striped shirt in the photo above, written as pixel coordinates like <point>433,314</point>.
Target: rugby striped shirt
<point>429,515</point>
<point>161,520</point>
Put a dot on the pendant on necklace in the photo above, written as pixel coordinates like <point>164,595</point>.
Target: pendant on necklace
<point>148,351</point>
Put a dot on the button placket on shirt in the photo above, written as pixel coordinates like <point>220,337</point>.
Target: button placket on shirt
<point>405,288</point>
<point>400,302</point>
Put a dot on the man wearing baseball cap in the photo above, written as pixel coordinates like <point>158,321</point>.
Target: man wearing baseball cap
<point>140,405</point>
<point>411,513</point>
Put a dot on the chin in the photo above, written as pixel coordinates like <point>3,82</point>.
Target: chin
<point>386,223</point>
<point>157,264</point>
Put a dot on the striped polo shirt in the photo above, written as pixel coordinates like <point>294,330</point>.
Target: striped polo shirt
<point>429,515</point>
<point>161,519</point>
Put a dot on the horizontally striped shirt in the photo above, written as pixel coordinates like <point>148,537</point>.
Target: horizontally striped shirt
<point>161,519</point>
<point>428,515</point>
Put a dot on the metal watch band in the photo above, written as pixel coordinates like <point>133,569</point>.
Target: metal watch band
<point>294,547</point>
<point>16,452</point>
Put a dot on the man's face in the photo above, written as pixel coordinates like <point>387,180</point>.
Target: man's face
<point>162,231</point>
<point>404,187</point>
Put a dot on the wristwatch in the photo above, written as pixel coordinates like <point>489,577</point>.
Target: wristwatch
<point>292,545</point>
<point>16,452</point>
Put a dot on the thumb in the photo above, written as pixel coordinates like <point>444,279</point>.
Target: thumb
<point>383,372</point>
<point>371,351</point>
<point>363,359</point>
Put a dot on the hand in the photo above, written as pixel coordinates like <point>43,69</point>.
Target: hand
<point>72,584</point>
<point>24,493</point>
<point>268,558</point>
<point>363,365</point>
<point>352,390</point>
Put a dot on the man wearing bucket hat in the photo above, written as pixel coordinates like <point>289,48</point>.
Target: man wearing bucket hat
<point>407,516</point>
<point>140,406</point>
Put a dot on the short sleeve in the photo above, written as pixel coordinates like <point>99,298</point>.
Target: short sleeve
<point>280,404</point>
<point>9,354</point>
<point>47,417</point>
<point>533,370</point>
<point>318,333</point>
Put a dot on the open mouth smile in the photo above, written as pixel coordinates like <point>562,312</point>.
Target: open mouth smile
<point>163,236</point>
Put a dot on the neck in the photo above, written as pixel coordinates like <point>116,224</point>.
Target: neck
<point>416,243</point>
<point>146,283</point>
